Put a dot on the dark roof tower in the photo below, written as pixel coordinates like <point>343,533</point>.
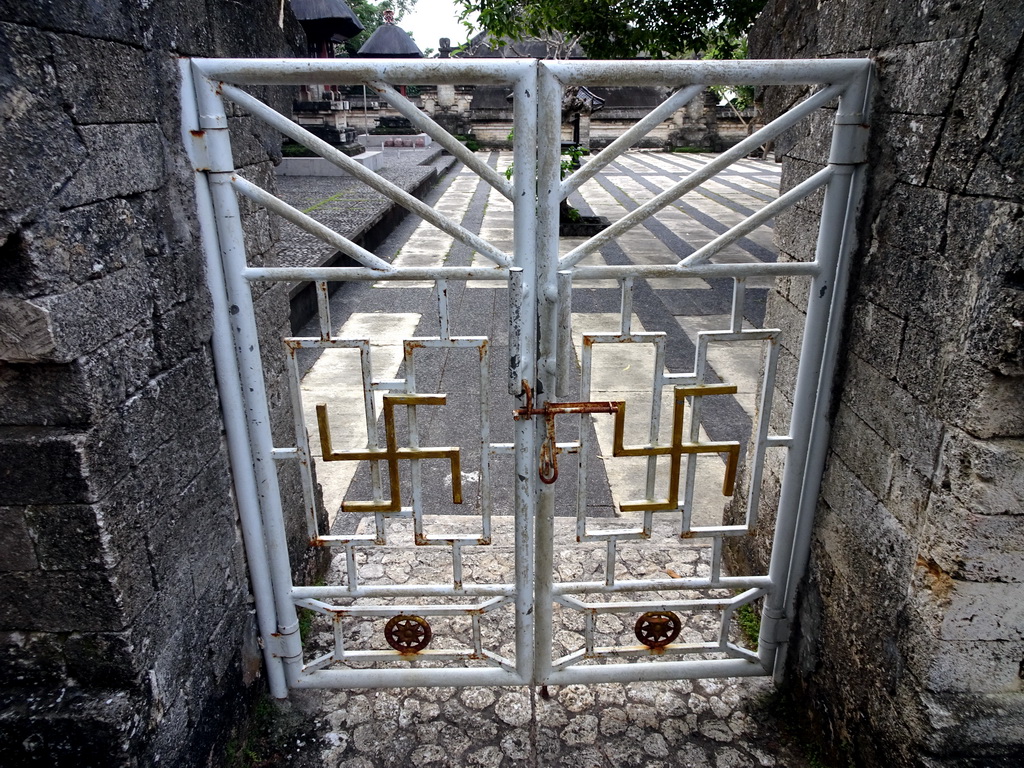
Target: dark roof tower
<point>326,21</point>
<point>390,42</point>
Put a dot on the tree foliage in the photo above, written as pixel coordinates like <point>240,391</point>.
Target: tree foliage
<point>621,29</point>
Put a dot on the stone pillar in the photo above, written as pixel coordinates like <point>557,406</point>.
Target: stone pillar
<point>126,627</point>
<point>909,643</point>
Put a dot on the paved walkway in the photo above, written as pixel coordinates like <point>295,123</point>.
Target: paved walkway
<point>715,723</point>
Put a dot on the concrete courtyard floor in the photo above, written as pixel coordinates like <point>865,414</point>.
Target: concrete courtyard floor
<point>713,723</point>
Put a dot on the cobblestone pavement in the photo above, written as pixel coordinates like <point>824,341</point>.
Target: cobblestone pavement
<point>722,723</point>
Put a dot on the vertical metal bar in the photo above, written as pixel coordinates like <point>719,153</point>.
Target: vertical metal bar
<point>609,562</point>
<point>655,428</point>
<point>812,393</point>
<point>566,356</point>
<point>516,371</point>
<point>549,129</point>
<point>586,360</point>
<point>229,388</point>
<point>323,305</point>
<point>739,287</point>
<point>764,412</point>
<point>626,306</point>
<point>441,289</point>
<point>370,414</point>
<point>485,441</point>
<point>302,446</point>
<point>457,565</point>
<point>213,121</point>
<point>351,569</point>
<point>522,295</point>
<point>716,557</point>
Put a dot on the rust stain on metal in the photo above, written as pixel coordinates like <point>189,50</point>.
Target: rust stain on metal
<point>198,133</point>
<point>656,629</point>
<point>408,634</point>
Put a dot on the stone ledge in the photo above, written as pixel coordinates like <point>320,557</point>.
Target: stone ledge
<point>318,166</point>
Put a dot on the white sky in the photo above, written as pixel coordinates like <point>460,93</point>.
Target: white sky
<point>431,20</point>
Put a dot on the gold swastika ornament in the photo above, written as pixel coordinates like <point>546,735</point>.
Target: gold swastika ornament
<point>677,449</point>
<point>392,453</point>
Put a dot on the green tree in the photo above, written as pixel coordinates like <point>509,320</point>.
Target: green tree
<point>620,29</point>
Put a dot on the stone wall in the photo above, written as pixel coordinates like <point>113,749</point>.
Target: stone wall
<point>910,639</point>
<point>126,627</point>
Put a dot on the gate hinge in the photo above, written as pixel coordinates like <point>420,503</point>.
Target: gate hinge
<point>197,149</point>
<point>283,646</point>
<point>849,144</point>
<point>774,629</point>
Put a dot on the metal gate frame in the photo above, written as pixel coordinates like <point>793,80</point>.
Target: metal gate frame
<point>539,284</point>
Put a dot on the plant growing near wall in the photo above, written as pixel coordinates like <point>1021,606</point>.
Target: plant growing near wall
<point>571,161</point>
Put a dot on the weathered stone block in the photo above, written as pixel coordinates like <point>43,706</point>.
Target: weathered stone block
<point>985,475</point>
<point>982,403</point>
<point>790,320</point>
<point>920,365</point>
<point>29,114</point>
<point>177,404</point>
<point>795,172</point>
<point>42,466</point>
<point>866,545</point>
<point>848,28</point>
<point>17,552</point>
<point>985,612</point>
<point>985,548</point>
<point>976,668</point>
<point>122,20</point>
<point>815,139</point>
<point>988,235</point>
<point>876,337</point>
<point>67,538</point>
<point>55,395</point>
<point>902,424</point>
<point>871,466</point>
<point>795,234</point>
<point>911,221</point>
<point>30,659</point>
<point>104,82</point>
<point>96,729</point>
<point>123,159</point>
<point>76,393</point>
<point>906,145</point>
<point>920,79</point>
<point>56,601</point>
<point>982,98</point>
<point>908,495</point>
<point>101,660</point>
<point>138,502</point>
<point>74,247</point>
<point>62,327</point>
<point>899,23</point>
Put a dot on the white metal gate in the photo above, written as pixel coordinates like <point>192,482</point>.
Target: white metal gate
<point>540,362</point>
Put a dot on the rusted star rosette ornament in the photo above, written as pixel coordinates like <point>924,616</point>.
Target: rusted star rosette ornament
<point>407,634</point>
<point>656,629</point>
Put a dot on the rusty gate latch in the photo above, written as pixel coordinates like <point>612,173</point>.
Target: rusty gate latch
<point>548,468</point>
<point>675,450</point>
